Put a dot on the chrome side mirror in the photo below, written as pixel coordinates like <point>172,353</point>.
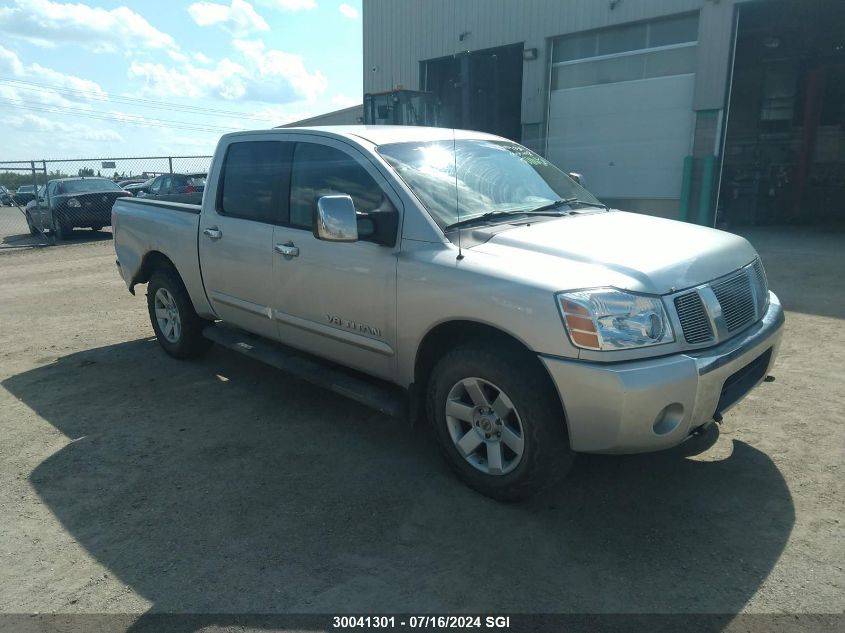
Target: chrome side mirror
<point>336,220</point>
<point>579,178</point>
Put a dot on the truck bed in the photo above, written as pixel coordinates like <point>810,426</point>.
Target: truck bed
<point>171,228</point>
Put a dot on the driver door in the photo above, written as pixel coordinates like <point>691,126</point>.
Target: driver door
<point>336,300</point>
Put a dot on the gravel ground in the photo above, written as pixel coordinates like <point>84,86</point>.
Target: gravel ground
<point>132,483</point>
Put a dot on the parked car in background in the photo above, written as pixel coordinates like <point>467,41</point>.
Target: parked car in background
<point>185,188</point>
<point>5,197</point>
<point>506,304</point>
<point>139,187</point>
<point>130,181</point>
<point>73,202</point>
<point>24,195</point>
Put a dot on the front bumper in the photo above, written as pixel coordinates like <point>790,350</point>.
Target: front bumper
<point>648,405</point>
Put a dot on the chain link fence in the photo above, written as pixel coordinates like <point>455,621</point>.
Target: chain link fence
<point>46,202</point>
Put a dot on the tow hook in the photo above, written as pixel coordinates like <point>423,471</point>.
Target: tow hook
<point>699,430</point>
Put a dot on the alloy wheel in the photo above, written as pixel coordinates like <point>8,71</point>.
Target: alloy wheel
<point>167,315</point>
<point>485,426</point>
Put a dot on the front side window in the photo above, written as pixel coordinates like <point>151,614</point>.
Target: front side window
<point>320,170</point>
<point>473,177</point>
<point>253,181</point>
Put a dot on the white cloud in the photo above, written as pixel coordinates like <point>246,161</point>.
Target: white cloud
<point>73,131</point>
<point>239,18</point>
<point>47,23</point>
<point>260,74</point>
<point>348,11</point>
<point>279,115</point>
<point>345,101</point>
<point>290,5</point>
<point>80,90</point>
<point>201,58</point>
<point>10,63</point>
<point>177,56</point>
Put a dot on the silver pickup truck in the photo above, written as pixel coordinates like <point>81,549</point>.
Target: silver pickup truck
<point>457,277</point>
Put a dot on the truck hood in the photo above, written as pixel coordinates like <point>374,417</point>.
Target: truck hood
<point>634,252</point>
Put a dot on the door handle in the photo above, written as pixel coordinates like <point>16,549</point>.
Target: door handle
<point>287,249</point>
<point>213,232</point>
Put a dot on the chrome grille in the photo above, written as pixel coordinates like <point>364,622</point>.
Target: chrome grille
<point>742,299</point>
<point>760,286</point>
<point>694,319</point>
<point>736,300</point>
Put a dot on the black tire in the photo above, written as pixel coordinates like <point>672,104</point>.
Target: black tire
<point>30,225</point>
<point>546,453</point>
<point>98,227</point>
<point>190,343</point>
<point>62,229</point>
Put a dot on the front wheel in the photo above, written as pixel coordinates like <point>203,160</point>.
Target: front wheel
<point>498,421</point>
<point>177,326</point>
<point>30,225</point>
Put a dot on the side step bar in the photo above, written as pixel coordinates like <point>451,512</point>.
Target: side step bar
<point>371,392</point>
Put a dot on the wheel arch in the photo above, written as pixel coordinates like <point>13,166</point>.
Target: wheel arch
<point>449,334</point>
<point>152,261</point>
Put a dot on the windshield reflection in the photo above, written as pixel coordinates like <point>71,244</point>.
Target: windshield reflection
<point>468,178</point>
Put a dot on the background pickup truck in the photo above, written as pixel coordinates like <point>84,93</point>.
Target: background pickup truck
<point>457,277</point>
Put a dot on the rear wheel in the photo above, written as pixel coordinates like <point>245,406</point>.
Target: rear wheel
<point>62,229</point>
<point>174,320</point>
<point>498,421</point>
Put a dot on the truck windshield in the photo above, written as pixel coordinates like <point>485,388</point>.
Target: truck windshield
<point>493,177</point>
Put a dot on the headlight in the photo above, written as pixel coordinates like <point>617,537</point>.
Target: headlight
<point>74,203</point>
<point>609,319</point>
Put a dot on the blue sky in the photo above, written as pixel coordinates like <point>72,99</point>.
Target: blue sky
<point>106,78</point>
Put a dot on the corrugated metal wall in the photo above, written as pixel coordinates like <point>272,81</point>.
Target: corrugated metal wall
<point>398,34</point>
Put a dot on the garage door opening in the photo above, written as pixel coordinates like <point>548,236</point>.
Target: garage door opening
<point>784,158</point>
<point>481,90</point>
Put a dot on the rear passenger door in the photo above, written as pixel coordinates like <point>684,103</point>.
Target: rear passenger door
<point>236,233</point>
<point>336,300</point>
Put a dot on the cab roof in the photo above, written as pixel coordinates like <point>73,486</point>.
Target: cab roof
<point>383,134</point>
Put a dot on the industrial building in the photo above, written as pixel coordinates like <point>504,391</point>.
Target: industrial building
<point>715,111</point>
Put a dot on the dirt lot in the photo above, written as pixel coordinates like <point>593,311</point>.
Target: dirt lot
<point>130,482</point>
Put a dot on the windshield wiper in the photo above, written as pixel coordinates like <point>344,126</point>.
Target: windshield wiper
<point>493,215</point>
<point>547,209</point>
<point>567,201</point>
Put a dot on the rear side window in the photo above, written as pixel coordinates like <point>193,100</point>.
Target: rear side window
<point>319,170</point>
<point>254,180</point>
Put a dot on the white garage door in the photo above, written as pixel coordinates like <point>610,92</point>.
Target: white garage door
<point>621,107</point>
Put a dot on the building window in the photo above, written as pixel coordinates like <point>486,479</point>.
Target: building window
<point>626,53</point>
